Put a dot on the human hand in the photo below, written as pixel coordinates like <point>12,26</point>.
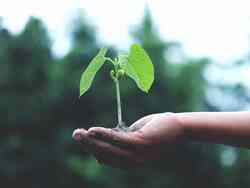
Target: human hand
<point>147,140</point>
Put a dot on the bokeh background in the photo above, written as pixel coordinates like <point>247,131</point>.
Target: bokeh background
<point>40,70</point>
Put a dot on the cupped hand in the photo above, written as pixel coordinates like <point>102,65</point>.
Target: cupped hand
<point>147,140</point>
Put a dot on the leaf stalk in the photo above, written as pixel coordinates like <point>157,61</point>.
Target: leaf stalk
<point>118,99</point>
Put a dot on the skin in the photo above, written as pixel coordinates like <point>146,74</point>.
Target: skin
<point>153,135</point>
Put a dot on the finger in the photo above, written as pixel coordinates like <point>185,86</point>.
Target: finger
<point>78,134</point>
<point>121,139</point>
<point>98,146</point>
<point>104,152</point>
<point>103,148</point>
<point>108,154</point>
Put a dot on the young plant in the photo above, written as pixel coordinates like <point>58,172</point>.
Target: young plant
<point>136,64</point>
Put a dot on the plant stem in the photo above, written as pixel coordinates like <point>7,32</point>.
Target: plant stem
<point>118,98</point>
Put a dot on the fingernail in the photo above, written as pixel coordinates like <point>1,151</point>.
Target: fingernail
<point>77,136</point>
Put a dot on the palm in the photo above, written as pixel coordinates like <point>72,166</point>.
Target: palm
<point>144,141</point>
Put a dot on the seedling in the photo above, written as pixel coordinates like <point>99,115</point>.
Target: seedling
<point>136,64</point>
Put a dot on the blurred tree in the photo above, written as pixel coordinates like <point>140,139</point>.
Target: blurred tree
<point>28,57</point>
<point>84,47</point>
<point>69,111</point>
<point>177,87</point>
<point>39,109</point>
<point>29,152</point>
<point>227,92</point>
<point>173,82</point>
<point>83,35</point>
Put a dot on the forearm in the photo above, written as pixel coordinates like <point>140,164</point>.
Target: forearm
<point>231,128</point>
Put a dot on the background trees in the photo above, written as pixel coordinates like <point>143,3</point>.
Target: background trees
<point>39,109</point>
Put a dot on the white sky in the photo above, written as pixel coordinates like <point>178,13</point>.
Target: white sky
<point>216,28</point>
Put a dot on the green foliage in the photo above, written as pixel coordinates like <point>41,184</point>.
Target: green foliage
<point>89,74</point>
<point>140,67</point>
<point>39,110</point>
<point>136,65</point>
<point>84,168</point>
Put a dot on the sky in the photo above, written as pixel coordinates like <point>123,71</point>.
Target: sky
<point>219,29</point>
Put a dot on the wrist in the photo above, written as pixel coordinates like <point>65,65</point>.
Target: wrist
<point>182,119</point>
<point>179,125</point>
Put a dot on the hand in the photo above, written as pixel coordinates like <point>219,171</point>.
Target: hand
<point>146,141</point>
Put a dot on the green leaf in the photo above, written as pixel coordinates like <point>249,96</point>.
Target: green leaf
<point>129,69</point>
<point>139,67</point>
<point>89,74</point>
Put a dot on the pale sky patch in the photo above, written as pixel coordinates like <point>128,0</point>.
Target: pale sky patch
<point>217,29</point>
